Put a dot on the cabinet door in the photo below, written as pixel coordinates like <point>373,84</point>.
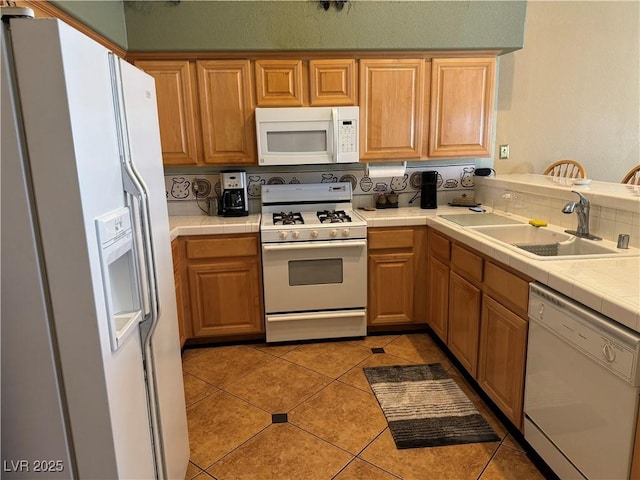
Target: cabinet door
<point>391,288</point>
<point>438,297</point>
<point>228,126</point>
<point>391,108</point>
<point>226,298</point>
<point>184,326</point>
<point>175,91</point>
<point>332,82</point>
<point>462,92</point>
<point>279,83</point>
<point>464,322</point>
<point>503,340</point>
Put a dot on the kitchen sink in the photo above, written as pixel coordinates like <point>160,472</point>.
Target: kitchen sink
<point>544,243</point>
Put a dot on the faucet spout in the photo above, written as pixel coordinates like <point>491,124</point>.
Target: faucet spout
<point>581,207</point>
<point>569,207</point>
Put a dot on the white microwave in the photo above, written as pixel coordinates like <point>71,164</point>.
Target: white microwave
<point>307,135</point>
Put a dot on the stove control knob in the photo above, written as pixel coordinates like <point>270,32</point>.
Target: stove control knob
<point>345,232</point>
<point>333,233</point>
<point>314,234</point>
<point>283,234</point>
<point>295,234</point>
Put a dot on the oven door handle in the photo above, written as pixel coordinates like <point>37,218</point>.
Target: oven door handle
<point>311,316</point>
<point>313,246</point>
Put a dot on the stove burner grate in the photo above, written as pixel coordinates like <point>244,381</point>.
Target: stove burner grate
<point>333,216</point>
<point>290,218</point>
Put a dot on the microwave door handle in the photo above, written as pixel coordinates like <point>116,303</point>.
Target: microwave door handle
<point>334,118</point>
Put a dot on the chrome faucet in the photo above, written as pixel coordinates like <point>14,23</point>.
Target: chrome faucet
<point>581,207</point>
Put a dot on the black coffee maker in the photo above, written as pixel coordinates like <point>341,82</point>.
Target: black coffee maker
<point>429,189</point>
<point>233,201</point>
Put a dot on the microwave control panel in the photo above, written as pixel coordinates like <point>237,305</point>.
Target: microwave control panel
<point>347,135</point>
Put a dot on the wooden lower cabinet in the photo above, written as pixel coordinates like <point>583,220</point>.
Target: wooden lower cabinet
<point>222,286</point>
<point>184,326</point>
<point>464,321</point>
<point>501,363</point>
<point>224,298</point>
<point>396,293</point>
<point>438,298</point>
<point>478,308</point>
<point>391,288</point>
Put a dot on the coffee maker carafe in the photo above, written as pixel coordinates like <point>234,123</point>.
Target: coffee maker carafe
<point>233,201</point>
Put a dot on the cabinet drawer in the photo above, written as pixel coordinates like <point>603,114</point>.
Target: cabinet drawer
<point>507,287</point>
<point>466,262</point>
<point>222,247</point>
<point>439,246</point>
<point>383,238</point>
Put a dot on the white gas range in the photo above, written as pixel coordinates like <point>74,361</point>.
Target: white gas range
<point>314,258</point>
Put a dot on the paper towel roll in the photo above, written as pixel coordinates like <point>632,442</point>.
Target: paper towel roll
<point>386,171</point>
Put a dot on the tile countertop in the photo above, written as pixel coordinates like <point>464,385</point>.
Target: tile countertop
<point>610,286</point>
<point>214,225</point>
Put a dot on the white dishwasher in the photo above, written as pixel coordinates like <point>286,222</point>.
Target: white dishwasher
<point>581,388</point>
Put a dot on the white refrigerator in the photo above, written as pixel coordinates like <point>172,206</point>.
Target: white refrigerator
<point>92,383</point>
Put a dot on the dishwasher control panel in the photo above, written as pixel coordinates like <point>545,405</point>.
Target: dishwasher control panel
<point>614,346</point>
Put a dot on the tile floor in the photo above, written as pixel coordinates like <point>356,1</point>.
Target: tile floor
<point>306,412</point>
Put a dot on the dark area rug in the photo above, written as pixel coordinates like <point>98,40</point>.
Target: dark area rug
<point>425,407</point>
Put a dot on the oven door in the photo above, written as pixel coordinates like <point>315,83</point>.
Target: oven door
<point>313,276</point>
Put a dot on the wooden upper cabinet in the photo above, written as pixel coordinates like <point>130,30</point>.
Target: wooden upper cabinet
<point>332,82</point>
<point>391,108</point>
<point>462,96</point>
<point>227,109</point>
<point>175,91</point>
<point>279,83</point>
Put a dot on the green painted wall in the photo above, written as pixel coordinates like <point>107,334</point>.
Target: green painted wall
<point>197,25</point>
<point>103,17</point>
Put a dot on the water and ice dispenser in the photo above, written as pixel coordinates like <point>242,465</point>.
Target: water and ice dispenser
<point>120,274</point>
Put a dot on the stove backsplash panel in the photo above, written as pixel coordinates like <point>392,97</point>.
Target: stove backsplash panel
<point>185,191</point>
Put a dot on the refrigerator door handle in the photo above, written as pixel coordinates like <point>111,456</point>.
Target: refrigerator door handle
<point>135,187</point>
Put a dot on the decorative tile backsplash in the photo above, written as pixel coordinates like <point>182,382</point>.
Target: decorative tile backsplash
<point>450,178</point>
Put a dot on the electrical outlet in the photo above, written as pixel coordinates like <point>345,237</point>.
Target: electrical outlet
<point>504,152</point>
<point>201,187</point>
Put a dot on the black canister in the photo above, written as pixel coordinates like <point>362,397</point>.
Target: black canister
<point>428,198</point>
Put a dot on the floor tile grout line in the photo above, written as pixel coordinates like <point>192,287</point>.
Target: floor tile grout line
<point>371,463</point>
<point>495,452</point>
<point>240,445</point>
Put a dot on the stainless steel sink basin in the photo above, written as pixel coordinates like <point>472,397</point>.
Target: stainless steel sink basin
<point>547,244</point>
<point>522,233</point>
